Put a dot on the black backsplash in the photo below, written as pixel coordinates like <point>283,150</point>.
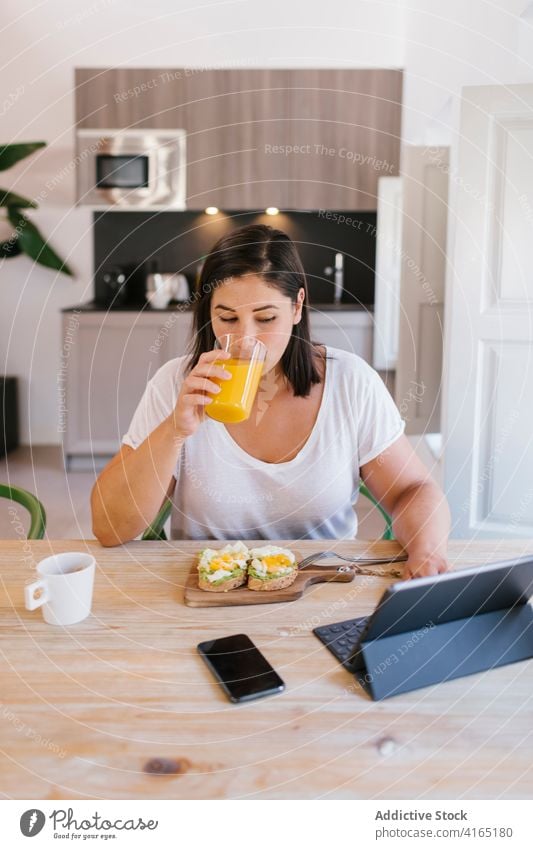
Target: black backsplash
<point>179,240</point>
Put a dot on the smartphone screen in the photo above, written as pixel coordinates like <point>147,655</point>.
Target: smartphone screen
<point>240,668</point>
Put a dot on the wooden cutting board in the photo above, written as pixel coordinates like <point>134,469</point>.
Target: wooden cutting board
<point>195,597</point>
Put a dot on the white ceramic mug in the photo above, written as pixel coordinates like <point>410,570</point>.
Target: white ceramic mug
<point>66,584</point>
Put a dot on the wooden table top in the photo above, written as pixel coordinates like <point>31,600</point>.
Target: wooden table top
<point>121,706</point>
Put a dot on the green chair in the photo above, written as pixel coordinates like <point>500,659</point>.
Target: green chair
<point>32,505</point>
<point>387,533</point>
<point>156,529</point>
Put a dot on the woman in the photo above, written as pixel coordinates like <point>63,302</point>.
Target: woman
<point>322,418</point>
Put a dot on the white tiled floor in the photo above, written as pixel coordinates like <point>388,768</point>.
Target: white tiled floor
<point>66,495</point>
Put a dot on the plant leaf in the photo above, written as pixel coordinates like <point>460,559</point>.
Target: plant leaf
<point>33,244</point>
<point>9,249</point>
<point>12,199</point>
<point>12,153</point>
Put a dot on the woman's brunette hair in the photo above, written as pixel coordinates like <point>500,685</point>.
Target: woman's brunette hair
<point>268,253</point>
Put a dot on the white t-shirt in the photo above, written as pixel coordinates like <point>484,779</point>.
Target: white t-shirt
<point>222,492</point>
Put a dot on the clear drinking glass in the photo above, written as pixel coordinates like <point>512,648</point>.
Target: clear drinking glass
<point>236,397</point>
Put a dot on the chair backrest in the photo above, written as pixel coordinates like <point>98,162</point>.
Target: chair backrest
<point>157,531</point>
<point>32,505</point>
<point>387,534</point>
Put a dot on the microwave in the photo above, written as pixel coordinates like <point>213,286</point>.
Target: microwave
<point>135,169</point>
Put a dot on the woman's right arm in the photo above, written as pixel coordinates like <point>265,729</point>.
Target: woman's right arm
<point>130,490</point>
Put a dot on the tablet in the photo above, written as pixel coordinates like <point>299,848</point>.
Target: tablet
<point>409,605</point>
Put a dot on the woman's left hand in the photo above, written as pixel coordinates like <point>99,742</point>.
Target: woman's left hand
<point>420,566</point>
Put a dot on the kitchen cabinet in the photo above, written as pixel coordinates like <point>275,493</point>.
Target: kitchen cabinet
<point>112,355</point>
<point>291,138</point>
<point>130,98</point>
<point>350,330</point>
<point>234,120</point>
<point>230,115</point>
<point>345,131</point>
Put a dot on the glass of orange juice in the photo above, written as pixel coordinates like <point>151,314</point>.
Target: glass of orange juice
<point>236,397</point>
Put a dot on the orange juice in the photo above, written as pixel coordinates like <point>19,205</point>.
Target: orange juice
<point>236,397</point>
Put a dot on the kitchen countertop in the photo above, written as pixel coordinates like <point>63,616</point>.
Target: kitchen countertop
<point>94,306</point>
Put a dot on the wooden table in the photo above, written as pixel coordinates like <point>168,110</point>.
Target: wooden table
<point>120,706</point>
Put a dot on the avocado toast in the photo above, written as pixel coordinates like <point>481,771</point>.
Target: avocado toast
<point>271,568</point>
<point>220,570</point>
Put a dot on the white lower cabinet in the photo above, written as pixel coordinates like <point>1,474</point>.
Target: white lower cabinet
<point>108,359</point>
<point>111,357</point>
<point>349,330</point>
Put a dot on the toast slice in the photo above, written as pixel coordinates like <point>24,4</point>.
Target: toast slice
<point>223,587</point>
<point>271,568</point>
<point>272,584</point>
<point>220,570</point>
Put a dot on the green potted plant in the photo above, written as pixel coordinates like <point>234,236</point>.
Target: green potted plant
<point>18,233</point>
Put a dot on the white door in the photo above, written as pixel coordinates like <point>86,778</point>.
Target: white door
<point>488,397</point>
<point>388,273</point>
<point>425,175</point>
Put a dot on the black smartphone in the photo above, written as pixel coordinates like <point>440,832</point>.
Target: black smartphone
<point>243,672</point>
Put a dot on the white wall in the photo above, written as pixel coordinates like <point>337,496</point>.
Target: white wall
<point>441,46</point>
<point>42,45</point>
<point>457,43</point>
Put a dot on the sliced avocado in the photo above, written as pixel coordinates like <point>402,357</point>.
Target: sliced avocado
<point>269,576</point>
<point>237,573</point>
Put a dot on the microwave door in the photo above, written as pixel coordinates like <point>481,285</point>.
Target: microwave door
<point>122,175</point>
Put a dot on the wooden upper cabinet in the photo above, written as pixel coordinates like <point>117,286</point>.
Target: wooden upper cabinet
<point>234,118</point>
<point>345,128</point>
<point>131,98</point>
<point>295,139</point>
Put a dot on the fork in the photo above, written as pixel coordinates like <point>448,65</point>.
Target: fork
<point>364,561</point>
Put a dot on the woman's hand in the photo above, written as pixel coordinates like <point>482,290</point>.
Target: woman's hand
<point>189,411</point>
<point>420,566</point>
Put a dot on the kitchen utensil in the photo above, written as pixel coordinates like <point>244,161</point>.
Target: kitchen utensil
<point>115,281</point>
<point>159,288</point>
<point>180,288</point>
<point>366,561</point>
